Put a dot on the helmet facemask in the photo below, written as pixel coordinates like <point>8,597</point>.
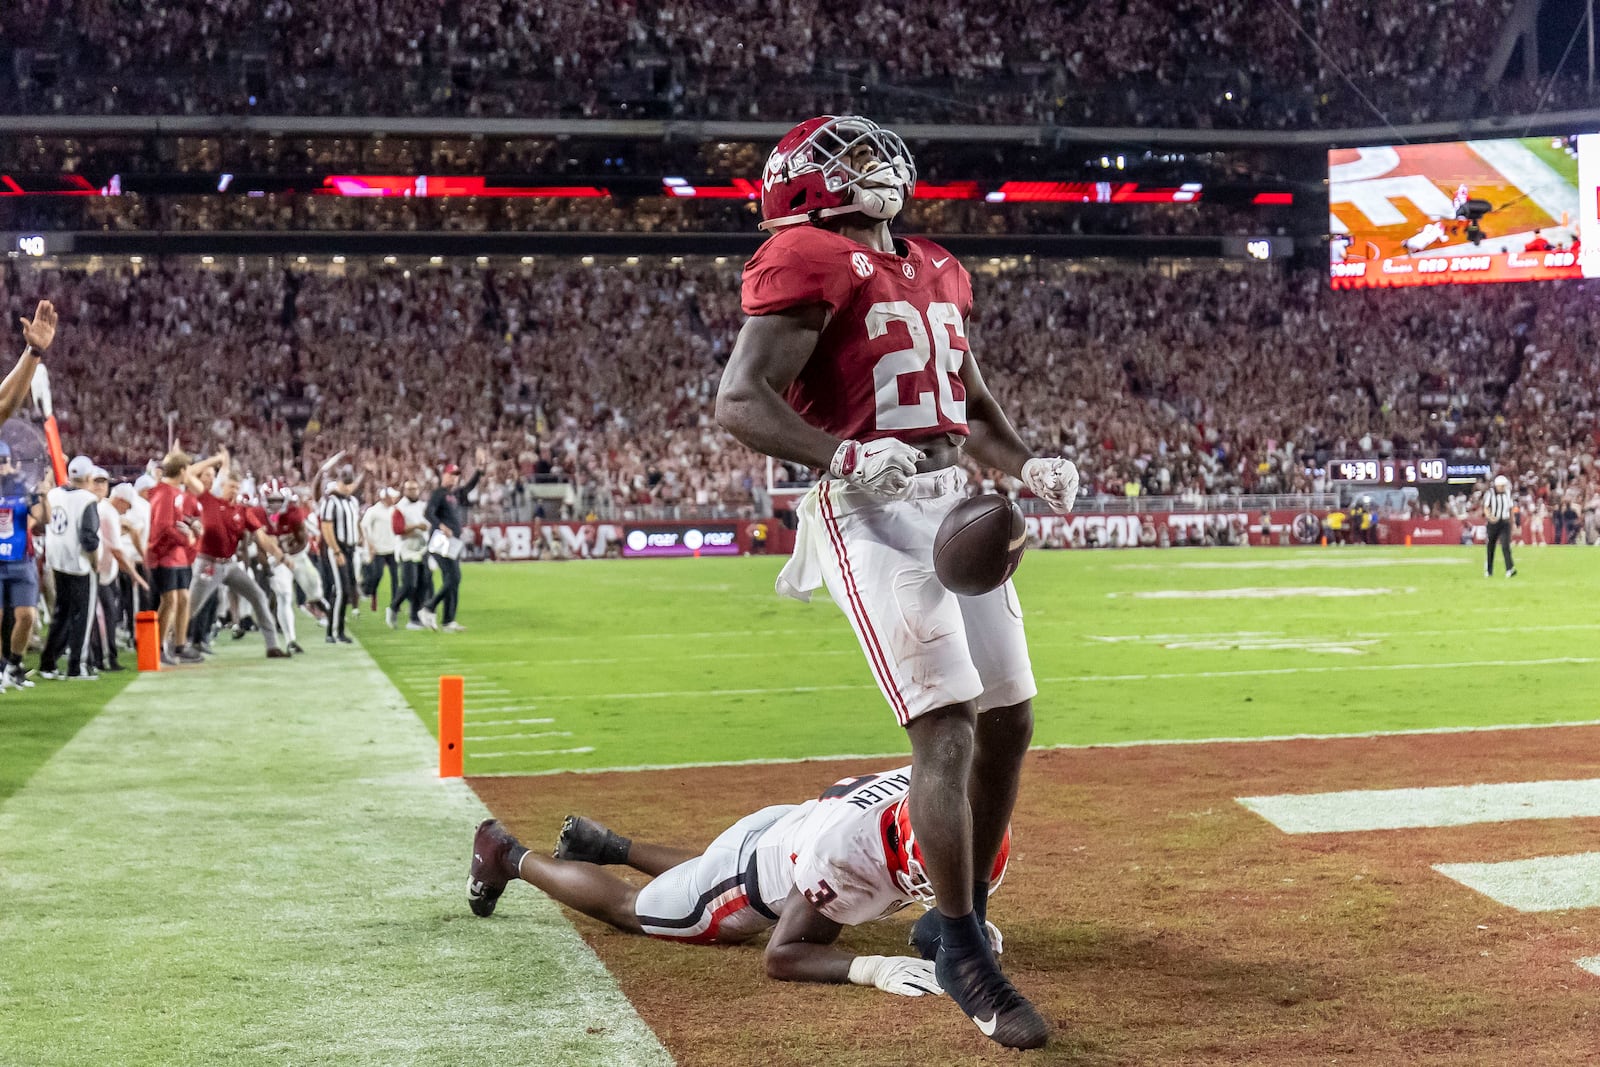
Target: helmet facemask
<point>878,189</point>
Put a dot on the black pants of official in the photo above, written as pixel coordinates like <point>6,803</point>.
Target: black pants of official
<point>103,632</point>
<point>444,601</point>
<point>1499,533</point>
<point>414,587</point>
<point>342,590</point>
<point>374,575</point>
<point>69,627</point>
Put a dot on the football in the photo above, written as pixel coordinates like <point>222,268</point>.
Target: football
<point>979,545</point>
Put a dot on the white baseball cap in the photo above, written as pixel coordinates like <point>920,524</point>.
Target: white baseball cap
<point>143,482</point>
<point>1501,481</point>
<point>100,474</point>
<point>80,467</point>
<point>124,491</point>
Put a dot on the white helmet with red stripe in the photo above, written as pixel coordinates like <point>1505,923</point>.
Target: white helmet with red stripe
<point>905,856</point>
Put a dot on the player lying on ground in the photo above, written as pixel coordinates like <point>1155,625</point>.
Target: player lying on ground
<point>854,361</point>
<point>804,871</point>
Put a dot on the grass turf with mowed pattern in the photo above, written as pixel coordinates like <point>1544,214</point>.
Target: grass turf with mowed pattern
<point>633,663</point>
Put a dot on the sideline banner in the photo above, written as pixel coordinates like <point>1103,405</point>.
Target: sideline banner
<point>513,541</point>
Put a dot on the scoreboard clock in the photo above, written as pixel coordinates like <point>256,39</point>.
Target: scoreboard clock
<point>1389,472</point>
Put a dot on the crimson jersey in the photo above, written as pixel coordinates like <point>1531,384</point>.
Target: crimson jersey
<point>289,527</point>
<point>888,363</point>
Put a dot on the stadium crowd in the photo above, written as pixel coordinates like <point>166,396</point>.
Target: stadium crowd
<point>1142,62</point>
<point>1178,383</point>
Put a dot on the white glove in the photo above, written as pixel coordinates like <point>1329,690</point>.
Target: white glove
<point>883,468</point>
<point>1055,481</point>
<point>904,976</point>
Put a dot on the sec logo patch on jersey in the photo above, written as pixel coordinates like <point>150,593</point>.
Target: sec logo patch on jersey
<point>861,264</point>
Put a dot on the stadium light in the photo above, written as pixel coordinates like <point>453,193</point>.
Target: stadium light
<point>299,259</point>
<point>135,259</point>
<point>435,260</point>
<point>588,261</point>
<point>338,259</point>
<point>483,261</point>
<point>208,260</point>
<point>526,260</point>
<point>390,260</point>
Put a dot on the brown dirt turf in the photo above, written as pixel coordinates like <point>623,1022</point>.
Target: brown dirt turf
<point>1156,921</point>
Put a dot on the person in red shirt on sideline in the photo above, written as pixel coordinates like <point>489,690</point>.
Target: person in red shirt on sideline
<point>1538,244</point>
<point>174,532</point>
<point>225,520</point>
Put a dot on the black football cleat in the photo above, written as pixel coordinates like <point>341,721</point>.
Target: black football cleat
<point>487,877</point>
<point>586,841</point>
<point>988,998</point>
<point>926,934</point>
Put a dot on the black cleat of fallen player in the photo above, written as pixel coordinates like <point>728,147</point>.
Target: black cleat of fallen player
<point>586,841</point>
<point>490,869</point>
<point>925,934</point>
<point>971,976</point>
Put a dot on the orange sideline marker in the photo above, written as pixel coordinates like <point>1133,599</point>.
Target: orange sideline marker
<point>147,640</point>
<point>451,707</point>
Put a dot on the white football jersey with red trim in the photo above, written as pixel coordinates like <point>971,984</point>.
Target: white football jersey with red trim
<point>840,850</point>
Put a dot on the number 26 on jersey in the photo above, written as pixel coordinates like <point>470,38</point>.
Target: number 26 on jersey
<point>930,335</point>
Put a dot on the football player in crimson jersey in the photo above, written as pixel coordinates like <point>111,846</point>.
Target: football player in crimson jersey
<point>855,361</point>
<point>803,871</point>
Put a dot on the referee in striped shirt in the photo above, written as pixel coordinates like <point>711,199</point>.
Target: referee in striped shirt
<point>1497,506</point>
<point>340,515</point>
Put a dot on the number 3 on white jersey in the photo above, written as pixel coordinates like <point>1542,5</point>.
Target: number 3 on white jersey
<point>944,319</point>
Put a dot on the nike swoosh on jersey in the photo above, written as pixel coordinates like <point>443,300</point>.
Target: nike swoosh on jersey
<point>937,263</point>
<point>986,1025</point>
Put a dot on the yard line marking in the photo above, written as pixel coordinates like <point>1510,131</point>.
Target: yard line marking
<point>517,737</point>
<point>474,708</point>
<point>1546,883</point>
<point>1591,964</point>
<point>1263,672</point>
<point>508,722</point>
<point>1400,809</point>
<point>1423,731</point>
<point>699,655</point>
<point>523,755</point>
<point>1264,592</point>
<point>1329,563</point>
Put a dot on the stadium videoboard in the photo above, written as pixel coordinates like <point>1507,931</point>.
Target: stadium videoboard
<point>1511,210</point>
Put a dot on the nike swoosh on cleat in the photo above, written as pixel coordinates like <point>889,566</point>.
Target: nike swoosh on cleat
<point>940,262</point>
<point>986,1025</point>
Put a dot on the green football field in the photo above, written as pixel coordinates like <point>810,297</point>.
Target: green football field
<point>622,664</point>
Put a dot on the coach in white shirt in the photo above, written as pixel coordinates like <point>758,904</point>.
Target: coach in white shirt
<point>72,549</point>
<point>378,534</point>
<point>410,525</point>
<point>1497,506</point>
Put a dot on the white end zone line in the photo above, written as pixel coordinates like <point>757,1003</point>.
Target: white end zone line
<point>1149,743</point>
